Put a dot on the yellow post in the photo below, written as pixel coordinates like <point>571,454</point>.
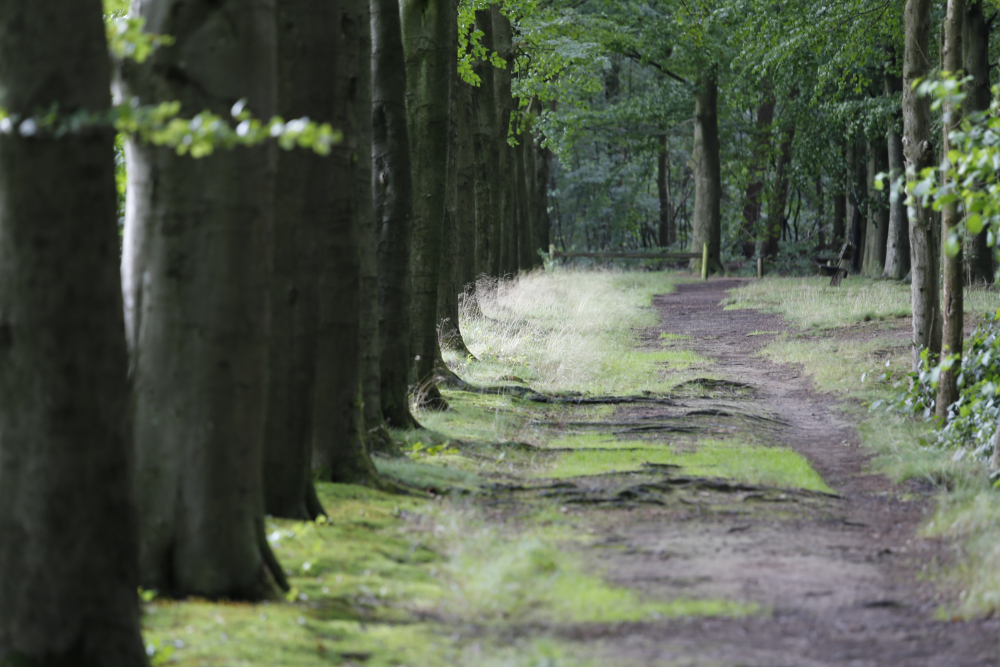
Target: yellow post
<point>704,262</point>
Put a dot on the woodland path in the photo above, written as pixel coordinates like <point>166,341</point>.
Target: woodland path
<point>840,574</point>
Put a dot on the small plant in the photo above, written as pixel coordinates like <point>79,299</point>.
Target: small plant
<point>419,450</point>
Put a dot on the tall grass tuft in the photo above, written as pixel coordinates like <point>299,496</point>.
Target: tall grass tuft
<point>565,330</point>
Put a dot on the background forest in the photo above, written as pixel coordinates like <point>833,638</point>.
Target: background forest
<point>264,223</point>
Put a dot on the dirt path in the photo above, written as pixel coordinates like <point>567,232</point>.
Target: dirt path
<point>840,574</point>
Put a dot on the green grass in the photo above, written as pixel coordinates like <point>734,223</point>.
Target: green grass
<point>811,302</point>
<point>753,464</point>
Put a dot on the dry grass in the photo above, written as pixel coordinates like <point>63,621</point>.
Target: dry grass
<point>568,331</point>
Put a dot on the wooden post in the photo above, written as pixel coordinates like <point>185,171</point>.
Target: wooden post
<point>760,267</point>
<point>704,262</point>
<point>552,252</point>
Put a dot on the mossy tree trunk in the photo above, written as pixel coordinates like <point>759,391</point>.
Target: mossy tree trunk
<point>67,513</point>
<point>196,278</point>
<point>918,150</point>
<point>426,26</point>
<point>951,220</point>
<point>393,201</point>
<point>707,167</point>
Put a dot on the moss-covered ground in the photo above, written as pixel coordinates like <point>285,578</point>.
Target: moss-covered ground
<point>489,559</point>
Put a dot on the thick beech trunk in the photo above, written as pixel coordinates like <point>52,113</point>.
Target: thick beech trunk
<point>839,218</point>
<point>302,204</point>
<point>951,220</point>
<point>429,67</point>
<point>877,235</point>
<point>707,224</point>
<point>487,157</point>
<point>465,177</point>
<point>979,257</point>
<point>339,448</point>
<point>377,437</point>
<point>393,196</point>
<point>919,153</point>
<point>451,283</point>
<point>68,545</point>
<point>897,253</point>
<point>758,167</point>
<point>779,198</point>
<point>195,278</point>
<point>543,174</point>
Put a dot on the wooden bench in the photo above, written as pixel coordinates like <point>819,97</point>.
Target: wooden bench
<point>839,271</point>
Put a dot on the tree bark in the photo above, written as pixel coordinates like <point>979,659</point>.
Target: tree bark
<point>752,203</point>
<point>856,201</point>
<point>878,213</point>
<point>452,283</point>
<point>919,153</point>
<point>377,437</point>
<point>67,512</point>
<point>707,224</point>
<point>393,199</point>
<point>665,234</point>
<point>465,177</point>
<point>307,43</point>
<point>897,255</point>
<point>779,198</point>
<point>196,275</point>
<point>487,157</point>
<point>339,443</point>
<point>429,61</point>
<point>979,256</point>
<point>543,174</point>
<point>527,256</point>
<point>951,220</point>
<point>502,82</point>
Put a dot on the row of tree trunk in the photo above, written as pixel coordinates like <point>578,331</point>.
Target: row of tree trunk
<point>275,310</point>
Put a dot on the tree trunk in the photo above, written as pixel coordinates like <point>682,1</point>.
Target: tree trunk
<point>897,254</point>
<point>665,233</point>
<point>377,437</point>
<point>543,174</point>
<point>67,513</point>
<point>393,198</point>
<point>451,282</point>
<point>839,218</point>
<point>776,212</point>
<point>878,213</point>
<point>951,220</point>
<point>856,201</point>
<point>339,443</point>
<point>919,153</point>
<point>976,43</point>
<point>429,65</point>
<point>302,204</point>
<point>465,176</point>
<point>196,275</point>
<point>527,256</point>
<point>487,157</point>
<point>707,226</point>
<point>503,35</point>
<point>758,167</point>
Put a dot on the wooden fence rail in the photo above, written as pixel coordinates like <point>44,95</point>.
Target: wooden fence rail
<point>703,256</point>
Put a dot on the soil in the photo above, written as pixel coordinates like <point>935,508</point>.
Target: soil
<point>841,575</point>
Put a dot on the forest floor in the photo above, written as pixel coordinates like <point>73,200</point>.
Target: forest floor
<point>733,520</point>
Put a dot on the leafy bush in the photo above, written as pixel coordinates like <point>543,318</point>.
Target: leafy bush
<point>972,420</point>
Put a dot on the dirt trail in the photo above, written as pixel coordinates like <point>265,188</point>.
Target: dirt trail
<point>840,574</point>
